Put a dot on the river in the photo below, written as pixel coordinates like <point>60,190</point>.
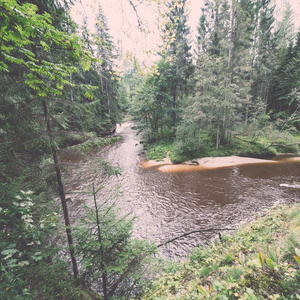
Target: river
<point>168,204</point>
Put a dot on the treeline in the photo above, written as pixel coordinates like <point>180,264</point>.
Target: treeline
<point>242,84</point>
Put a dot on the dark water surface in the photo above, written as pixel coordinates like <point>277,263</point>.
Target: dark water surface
<point>169,204</point>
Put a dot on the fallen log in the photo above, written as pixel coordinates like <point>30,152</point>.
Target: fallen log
<point>103,133</point>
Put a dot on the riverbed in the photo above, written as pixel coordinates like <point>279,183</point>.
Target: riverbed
<point>169,200</point>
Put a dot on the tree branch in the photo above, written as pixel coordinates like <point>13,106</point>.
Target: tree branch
<point>137,14</point>
<point>235,135</point>
<point>191,232</point>
<point>286,144</point>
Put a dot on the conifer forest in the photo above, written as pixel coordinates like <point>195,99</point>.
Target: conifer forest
<point>231,88</point>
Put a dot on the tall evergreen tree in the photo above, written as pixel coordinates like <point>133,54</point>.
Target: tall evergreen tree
<point>176,50</point>
<point>105,52</point>
<point>263,53</point>
<point>99,110</point>
<point>237,35</point>
<point>213,82</point>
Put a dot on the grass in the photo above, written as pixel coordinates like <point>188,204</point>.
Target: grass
<point>257,262</point>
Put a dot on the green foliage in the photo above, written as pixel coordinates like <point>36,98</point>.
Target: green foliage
<point>257,150</point>
<point>159,150</point>
<point>21,248</point>
<point>257,261</point>
<point>156,105</point>
<point>230,87</point>
<point>284,97</point>
<point>23,241</point>
<point>95,143</point>
<point>265,143</point>
<point>112,261</point>
<point>42,58</point>
<point>43,281</point>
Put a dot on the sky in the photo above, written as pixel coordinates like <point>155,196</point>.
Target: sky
<point>122,22</point>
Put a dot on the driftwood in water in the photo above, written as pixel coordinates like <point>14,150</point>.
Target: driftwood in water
<point>194,231</point>
<point>293,186</point>
<point>103,133</point>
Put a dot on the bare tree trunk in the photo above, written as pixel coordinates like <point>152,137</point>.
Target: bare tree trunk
<point>200,129</point>
<point>229,68</point>
<point>108,98</point>
<point>218,135</point>
<point>225,119</point>
<point>71,89</point>
<point>247,114</point>
<point>61,190</point>
<point>174,113</point>
<point>101,79</point>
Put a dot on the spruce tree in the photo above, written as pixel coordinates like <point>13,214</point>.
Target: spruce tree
<point>176,50</point>
<point>105,52</point>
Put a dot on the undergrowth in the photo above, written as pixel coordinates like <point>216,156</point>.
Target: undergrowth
<point>180,151</point>
<point>260,261</point>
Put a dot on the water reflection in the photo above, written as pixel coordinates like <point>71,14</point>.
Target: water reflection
<point>170,204</point>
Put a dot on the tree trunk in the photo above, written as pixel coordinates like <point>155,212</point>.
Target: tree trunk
<point>108,99</point>
<point>200,129</point>
<point>225,119</point>
<point>174,107</point>
<point>101,79</point>
<point>218,135</point>
<point>61,190</point>
<point>247,114</point>
<point>71,89</point>
<point>229,69</point>
<point>104,274</point>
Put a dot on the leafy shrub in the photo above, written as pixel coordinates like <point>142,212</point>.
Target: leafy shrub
<point>22,242</point>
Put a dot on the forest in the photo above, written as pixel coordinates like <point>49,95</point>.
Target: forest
<point>235,92</point>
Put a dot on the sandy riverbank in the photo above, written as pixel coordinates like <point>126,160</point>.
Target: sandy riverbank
<point>204,163</point>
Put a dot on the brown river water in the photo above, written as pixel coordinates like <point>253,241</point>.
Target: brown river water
<point>169,204</point>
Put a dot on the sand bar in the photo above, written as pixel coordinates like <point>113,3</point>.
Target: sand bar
<point>203,163</point>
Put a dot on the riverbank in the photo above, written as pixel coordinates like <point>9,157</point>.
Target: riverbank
<point>206,163</point>
<point>259,261</point>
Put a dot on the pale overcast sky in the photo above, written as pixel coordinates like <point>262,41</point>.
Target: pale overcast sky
<point>122,20</point>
